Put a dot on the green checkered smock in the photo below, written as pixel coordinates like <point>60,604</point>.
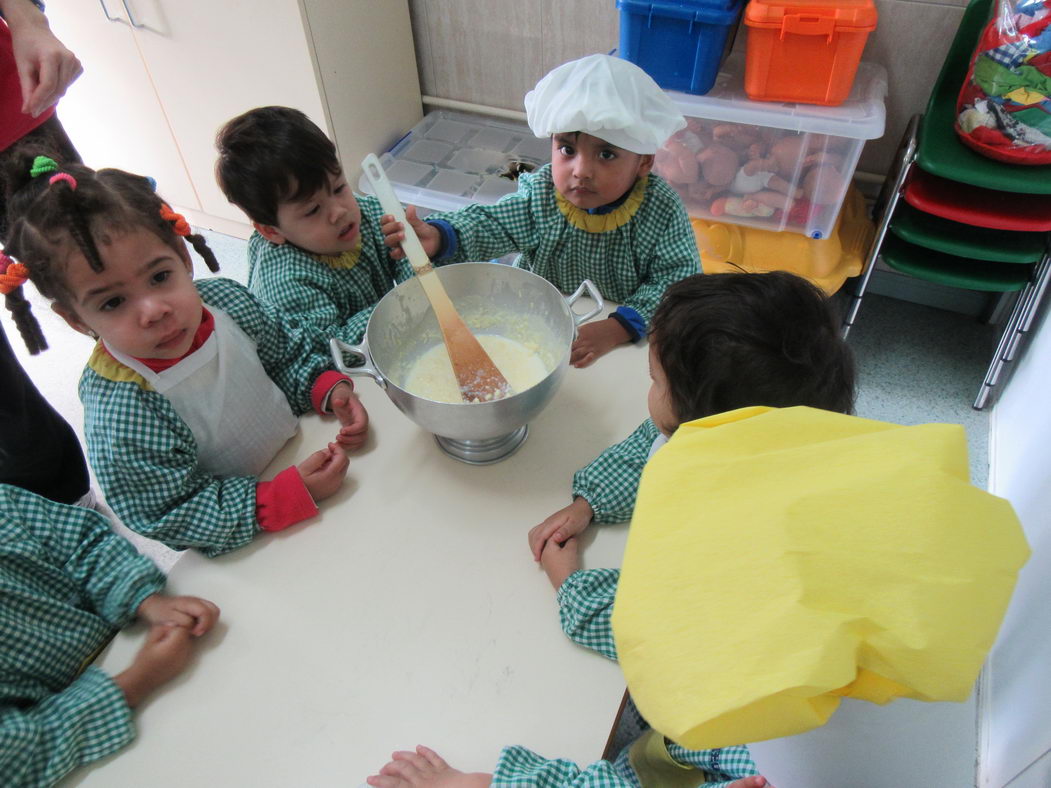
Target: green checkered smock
<point>145,456</point>
<point>632,264</point>
<point>67,584</point>
<point>585,603</point>
<point>611,481</point>
<point>334,293</point>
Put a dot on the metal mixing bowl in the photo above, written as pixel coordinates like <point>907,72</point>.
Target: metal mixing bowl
<point>492,298</point>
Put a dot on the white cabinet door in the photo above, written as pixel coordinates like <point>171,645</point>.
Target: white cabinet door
<point>213,60</point>
<point>112,113</point>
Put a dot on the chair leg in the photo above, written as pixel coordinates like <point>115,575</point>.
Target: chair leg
<point>1018,324</point>
<point>889,196</point>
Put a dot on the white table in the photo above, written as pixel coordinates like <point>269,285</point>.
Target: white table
<point>410,611</point>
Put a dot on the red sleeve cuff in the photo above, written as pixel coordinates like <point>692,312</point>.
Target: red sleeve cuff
<point>324,384</point>
<point>283,501</point>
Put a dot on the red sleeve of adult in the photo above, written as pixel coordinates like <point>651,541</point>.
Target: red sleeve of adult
<point>283,501</point>
<point>324,384</point>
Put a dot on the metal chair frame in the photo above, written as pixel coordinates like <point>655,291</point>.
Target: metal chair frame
<point>1025,307</point>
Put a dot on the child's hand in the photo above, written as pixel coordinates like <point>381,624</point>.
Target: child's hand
<point>560,526</point>
<point>352,416</point>
<point>163,657</point>
<point>323,471</point>
<point>422,768</point>
<point>596,339</point>
<point>394,234</point>
<point>189,612</point>
<point>560,560</point>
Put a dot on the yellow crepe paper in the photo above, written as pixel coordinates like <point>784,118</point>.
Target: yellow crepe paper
<point>781,559</point>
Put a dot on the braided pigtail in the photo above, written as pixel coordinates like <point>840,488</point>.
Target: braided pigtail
<point>201,247</point>
<point>12,276</point>
<point>78,227</point>
<point>22,313</point>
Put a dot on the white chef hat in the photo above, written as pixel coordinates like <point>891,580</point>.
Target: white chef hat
<point>606,97</point>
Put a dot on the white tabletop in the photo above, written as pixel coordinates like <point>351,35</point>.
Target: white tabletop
<point>410,611</point>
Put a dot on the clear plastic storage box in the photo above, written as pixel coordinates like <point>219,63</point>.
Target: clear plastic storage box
<point>452,159</point>
<point>768,165</point>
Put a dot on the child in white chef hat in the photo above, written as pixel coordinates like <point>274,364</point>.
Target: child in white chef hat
<point>596,212</point>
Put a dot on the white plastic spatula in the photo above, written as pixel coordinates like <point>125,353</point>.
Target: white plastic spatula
<point>477,375</point>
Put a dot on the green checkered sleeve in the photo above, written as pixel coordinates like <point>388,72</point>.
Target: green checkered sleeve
<point>522,768</point>
<point>337,299</point>
<point>292,353</point>
<point>585,605</point>
<point>632,263</point>
<point>105,568</point>
<point>721,766</point>
<point>43,742</point>
<point>145,459</point>
<point>610,482</point>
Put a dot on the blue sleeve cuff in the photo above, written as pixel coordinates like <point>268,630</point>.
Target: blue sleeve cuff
<point>632,322</point>
<point>449,243</point>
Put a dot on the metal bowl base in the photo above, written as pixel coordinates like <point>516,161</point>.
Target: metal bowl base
<point>483,452</point>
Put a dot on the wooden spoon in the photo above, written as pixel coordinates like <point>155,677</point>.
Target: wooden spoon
<point>477,375</point>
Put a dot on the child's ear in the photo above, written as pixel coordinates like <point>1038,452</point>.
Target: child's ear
<point>269,232</point>
<point>645,164</point>
<point>71,319</point>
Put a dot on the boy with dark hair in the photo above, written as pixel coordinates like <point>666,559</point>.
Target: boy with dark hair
<point>317,252</point>
<point>718,342</point>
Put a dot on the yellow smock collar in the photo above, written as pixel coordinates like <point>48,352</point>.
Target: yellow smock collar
<point>347,259</point>
<point>603,223</point>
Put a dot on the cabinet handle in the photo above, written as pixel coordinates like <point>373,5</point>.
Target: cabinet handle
<point>131,17</point>
<point>106,12</point>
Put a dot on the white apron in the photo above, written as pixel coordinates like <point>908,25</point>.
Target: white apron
<point>237,414</point>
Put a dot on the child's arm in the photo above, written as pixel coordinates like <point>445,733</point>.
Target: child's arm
<point>485,232</point>
<point>585,605</point>
<point>611,481</point>
<point>666,251</point>
<point>110,572</point>
<point>41,743</point>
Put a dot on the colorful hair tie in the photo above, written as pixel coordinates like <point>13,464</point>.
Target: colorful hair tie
<point>63,176</point>
<point>12,275</point>
<point>152,182</point>
<point>42,165</point>
<point>179,224</point>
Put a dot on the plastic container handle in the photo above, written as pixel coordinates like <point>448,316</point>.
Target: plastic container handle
<point>808,25</point>
<point>341,349</point>
<point>595,295</point>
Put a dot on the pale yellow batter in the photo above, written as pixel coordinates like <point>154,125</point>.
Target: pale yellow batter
<point>431,376</point>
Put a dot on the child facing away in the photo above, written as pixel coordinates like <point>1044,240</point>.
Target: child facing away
<point>67,584</point>
<point>193,387</point>
<point>596,212</point>
<point>317,251</point>
<point>719,342</point>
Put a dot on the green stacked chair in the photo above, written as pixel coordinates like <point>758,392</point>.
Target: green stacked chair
<point>950,216</point>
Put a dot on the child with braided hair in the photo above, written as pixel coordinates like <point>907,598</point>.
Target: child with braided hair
<point>192,387</point>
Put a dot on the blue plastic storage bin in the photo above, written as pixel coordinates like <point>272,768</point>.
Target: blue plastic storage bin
<point>679,43</point>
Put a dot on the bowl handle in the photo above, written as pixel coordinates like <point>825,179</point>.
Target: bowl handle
<point>341,349</point>
<point>595,295</point>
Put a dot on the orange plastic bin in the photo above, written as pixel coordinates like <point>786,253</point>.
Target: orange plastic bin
<point>805,50</point>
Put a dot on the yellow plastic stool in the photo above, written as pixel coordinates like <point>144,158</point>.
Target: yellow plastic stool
<point>727,248</point>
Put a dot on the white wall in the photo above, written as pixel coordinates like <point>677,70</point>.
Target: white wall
<point>1015,705</point>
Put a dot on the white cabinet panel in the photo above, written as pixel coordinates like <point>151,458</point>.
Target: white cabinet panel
<point>112,113</point>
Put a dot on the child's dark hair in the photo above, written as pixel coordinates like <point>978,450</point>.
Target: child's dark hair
<point>54,208</point>
<point>271,155</point>
<point>728,341</point>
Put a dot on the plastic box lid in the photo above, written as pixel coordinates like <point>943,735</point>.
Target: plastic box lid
<point>452,159</point>
<point>851,15</point>
<point>710,13</point>
<point>862,116</point>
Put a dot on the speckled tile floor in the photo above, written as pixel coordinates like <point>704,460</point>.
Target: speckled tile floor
<point>915,364</point>
<point>918,364</point>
